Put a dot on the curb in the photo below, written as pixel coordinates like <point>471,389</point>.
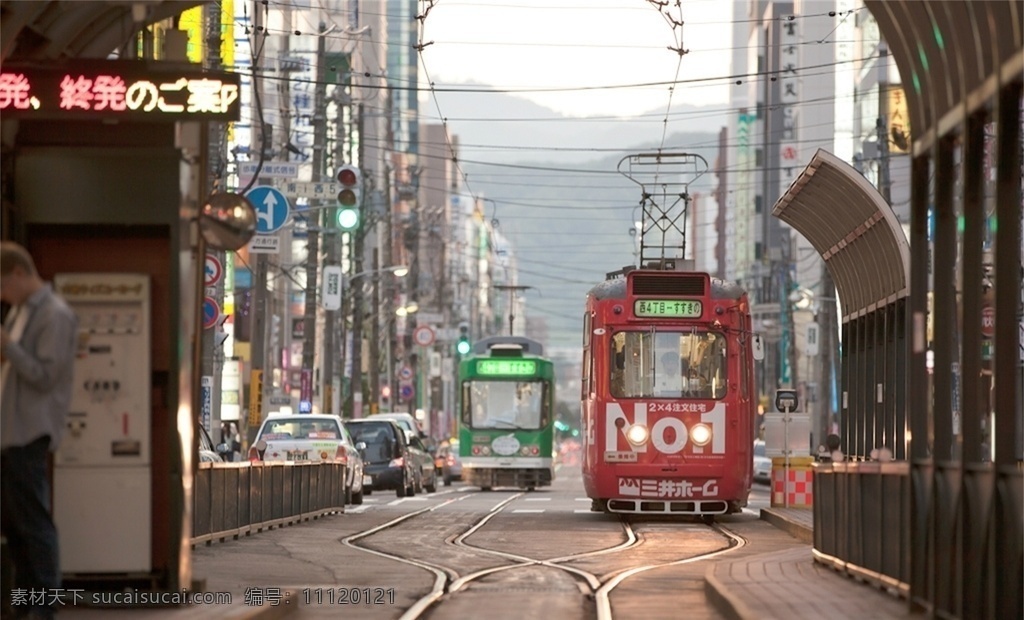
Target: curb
<point>796,530</point>
<point>729,605</point>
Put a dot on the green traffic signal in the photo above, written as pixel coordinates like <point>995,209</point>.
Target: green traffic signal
<point>463,346</point>
<point>348,218</point>
<point>351,181</point>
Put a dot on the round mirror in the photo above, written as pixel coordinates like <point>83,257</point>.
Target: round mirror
<point>227,221</point>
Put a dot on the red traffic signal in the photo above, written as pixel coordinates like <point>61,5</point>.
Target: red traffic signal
<point>351,180</point>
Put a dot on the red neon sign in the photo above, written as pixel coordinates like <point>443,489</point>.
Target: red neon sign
<point>106,89</point>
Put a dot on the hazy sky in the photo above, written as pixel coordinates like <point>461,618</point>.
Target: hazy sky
<point>521,44</point>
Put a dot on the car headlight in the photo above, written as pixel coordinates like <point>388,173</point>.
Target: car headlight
<point>700,434</point>
<point>637,434</point>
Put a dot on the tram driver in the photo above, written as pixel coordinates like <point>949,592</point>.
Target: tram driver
<point>668,378</point>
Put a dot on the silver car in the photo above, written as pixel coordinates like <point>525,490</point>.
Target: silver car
<point>311,437</point>
<point>762,464</point>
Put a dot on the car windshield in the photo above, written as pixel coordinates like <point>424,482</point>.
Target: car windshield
<point>758,449</point>
<point>300,428</point>
<point>404,423</point>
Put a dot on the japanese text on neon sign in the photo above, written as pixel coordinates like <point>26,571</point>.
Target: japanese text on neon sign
<point>111,92</point>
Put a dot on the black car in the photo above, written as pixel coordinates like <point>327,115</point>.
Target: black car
<point>387,462</point>
<point>426,475</point>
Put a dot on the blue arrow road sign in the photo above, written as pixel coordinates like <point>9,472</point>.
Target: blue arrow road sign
<point>272,208</point>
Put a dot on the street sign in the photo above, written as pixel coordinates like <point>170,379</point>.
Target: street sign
<point>211,312</point>
<point>265,244</point>
<point>423,318</point>
<point>255,398</point>
<point>331,297</point>
<point>270,169</point>
<point>405,372</point>
<point>212,270</point>
<point>811,342</point>
<point>423,336</point>
<point>406,391</point>
<point>306,385</point>
<point>206,389</point>
<point>309,189</point>
<point>786,400</point>
<point>272,208</point>
<point>988,321</point>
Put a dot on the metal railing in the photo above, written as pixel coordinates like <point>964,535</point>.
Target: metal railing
<point>946,537</point>
<point>235,499</point>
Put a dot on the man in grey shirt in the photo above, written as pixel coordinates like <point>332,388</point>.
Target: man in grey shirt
<point>37,346</point>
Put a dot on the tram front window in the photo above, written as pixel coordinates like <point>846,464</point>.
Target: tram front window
<point>664,364</point>
<point>506,404</point>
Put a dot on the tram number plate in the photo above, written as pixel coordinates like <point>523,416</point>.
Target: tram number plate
<point>620,457</point>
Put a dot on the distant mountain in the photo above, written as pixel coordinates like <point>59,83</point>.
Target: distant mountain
<point>567,213</point>
<point>498,119</point>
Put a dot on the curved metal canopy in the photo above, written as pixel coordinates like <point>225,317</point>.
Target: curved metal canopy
<point>952,56</point>
<point>52,30</point>
<point>854,230</point>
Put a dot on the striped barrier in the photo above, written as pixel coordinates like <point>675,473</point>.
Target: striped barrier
<point>793,487</point>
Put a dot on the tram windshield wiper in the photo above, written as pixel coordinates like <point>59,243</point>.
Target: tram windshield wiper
<point>503,423</point>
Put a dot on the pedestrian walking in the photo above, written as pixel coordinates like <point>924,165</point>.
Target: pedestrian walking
<point>37,346</point>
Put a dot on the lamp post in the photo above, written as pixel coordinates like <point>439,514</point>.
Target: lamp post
<point>357,335</point>
<point>806,299</point>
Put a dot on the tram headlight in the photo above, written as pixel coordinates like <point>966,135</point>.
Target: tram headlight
<point>700,434</point>
<point>637,434</point>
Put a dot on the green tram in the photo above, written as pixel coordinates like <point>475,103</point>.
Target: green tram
<point>507,405</point>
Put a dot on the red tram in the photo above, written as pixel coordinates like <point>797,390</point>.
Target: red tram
<point>668,393</point>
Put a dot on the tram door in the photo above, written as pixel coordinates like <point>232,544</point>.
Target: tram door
<point>102,478</point>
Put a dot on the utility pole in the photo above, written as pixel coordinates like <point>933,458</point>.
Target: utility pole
<point>313,236</point>
<point>331,236</point>
<point>358,236</point>
<point>512,289</point>
<point>374,395</point>
<point>884,183</point>
<point>258,335</point>
<point>412,238</point>
<point>387,307</point>
<point>212,356</point>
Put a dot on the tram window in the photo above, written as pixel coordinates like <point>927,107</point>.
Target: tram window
<point>507,404</point>
<point>666,364</point>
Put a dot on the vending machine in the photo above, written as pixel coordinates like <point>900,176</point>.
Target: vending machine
<point>102,478</point>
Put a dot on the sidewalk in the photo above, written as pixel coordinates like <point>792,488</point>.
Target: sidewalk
<point>790,584</point>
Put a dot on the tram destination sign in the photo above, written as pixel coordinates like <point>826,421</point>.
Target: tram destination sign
<point>506,367</point>
<point>668,308</point>
<point>117,89</point>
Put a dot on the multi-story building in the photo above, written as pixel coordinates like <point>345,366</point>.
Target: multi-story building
<point>815,76</point>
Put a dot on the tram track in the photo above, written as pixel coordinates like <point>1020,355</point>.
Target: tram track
<point>598,588</point>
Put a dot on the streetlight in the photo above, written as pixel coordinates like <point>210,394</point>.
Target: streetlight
<point>409,308</point>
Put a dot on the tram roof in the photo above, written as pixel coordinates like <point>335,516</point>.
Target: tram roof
<point>616,289</point>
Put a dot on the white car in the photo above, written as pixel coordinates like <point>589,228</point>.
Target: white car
<point>762,464</point>
<point>313,437</point>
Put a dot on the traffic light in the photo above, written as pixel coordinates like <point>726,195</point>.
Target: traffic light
<point>463,345</point>
<point>349,197</point>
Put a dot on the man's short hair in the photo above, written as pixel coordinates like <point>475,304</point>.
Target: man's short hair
<point>13,255</point>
